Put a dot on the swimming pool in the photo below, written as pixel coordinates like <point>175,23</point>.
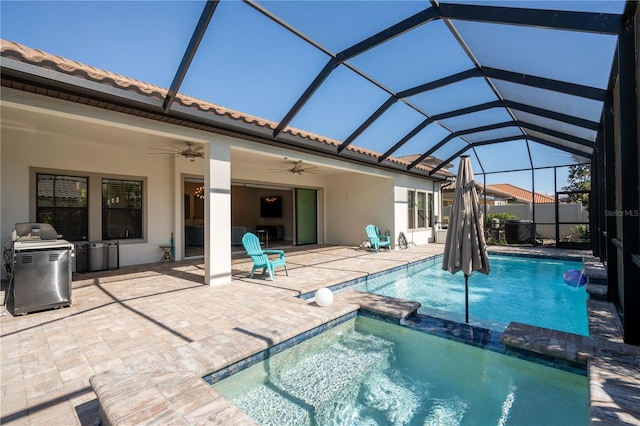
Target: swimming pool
<point>368,372</point>
<point>522,289</point>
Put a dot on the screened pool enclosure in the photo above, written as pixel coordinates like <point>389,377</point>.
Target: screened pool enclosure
<point>405,86</point>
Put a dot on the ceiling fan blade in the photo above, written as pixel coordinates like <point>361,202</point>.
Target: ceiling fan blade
<point>191,151</point>
<point>166,150</point>
<point>295,168</point>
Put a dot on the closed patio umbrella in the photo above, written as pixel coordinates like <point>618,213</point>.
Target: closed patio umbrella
<point>465,248</point>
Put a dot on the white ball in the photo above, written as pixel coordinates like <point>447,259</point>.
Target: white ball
<point>324,297</point>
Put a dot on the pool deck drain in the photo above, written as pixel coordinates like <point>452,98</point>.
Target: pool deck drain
<point>139,339</point>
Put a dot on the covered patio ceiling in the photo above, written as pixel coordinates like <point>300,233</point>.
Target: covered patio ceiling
<point>516,84</point>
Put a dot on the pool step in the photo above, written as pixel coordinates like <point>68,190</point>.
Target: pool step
<point>596,273</point>
<point>595,270</point>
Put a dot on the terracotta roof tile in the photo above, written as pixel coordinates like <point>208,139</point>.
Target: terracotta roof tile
<point>430,161</point>
<point>521,194</point>
<point>451,187</point>
<point>19,52</point>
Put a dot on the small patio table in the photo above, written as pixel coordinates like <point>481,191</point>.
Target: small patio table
<point>167,253</point>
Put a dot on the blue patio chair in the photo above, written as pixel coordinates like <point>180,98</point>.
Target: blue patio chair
<point>260,257</point>
<point>376,240</point>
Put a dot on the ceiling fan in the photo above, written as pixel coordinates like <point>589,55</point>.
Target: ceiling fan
<point>295,168</point>
<point>191,151</point>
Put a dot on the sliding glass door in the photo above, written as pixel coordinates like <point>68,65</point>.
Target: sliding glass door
<point>193,193</point>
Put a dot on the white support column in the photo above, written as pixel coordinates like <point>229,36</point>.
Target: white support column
<point>217,213</point>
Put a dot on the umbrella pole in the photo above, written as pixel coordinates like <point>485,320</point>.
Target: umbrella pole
<point>466,297</point>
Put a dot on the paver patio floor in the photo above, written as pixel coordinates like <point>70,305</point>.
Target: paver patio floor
<point>133,317</point>
<point>143,318</point>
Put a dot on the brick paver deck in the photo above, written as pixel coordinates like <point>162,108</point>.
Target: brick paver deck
<point>145,335</point>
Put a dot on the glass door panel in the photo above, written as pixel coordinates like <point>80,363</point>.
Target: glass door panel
<point>306,216</point>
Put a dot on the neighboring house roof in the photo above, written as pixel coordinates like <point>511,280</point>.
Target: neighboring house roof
<point>495,193</point>
<point>451,186</point>
<point>520,194</point>
<point>430,161</point>
<point>507,191</point>
<point>39,58</point>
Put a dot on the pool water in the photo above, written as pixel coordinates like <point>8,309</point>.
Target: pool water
<point>526,290</point>
<point>368,372</point>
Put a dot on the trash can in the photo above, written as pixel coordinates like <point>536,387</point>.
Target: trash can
<point>114,254</point>
<point>81,256</point>
<point>518,231</point>
<point>97,256</point>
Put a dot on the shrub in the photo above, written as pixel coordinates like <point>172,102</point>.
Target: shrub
<point>582,231</point>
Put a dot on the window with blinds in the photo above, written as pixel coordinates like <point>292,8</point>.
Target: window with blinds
<point>121,209</point>
<point>422,210</point>
<point>62,202</point>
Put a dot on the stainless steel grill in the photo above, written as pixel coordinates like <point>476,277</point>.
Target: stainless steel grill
<point>40,268</point>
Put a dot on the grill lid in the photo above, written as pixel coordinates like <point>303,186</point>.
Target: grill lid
<point>32,230</point>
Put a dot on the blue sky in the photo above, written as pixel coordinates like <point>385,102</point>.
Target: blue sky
<point>248,63</point>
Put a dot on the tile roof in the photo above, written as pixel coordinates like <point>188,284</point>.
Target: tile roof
<point>430,161</point>
<point>520,194</point>
<point>506,191</point>
<point>450,187</point>
<point>25,54</point>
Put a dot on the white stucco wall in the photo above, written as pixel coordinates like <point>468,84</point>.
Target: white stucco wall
<point>36,136</point>
<point>49,135</point>
<point>26,152</point>
<point>403,184</point>
<point>352,202</point>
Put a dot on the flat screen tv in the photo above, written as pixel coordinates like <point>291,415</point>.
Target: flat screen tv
<point>271,206</point>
